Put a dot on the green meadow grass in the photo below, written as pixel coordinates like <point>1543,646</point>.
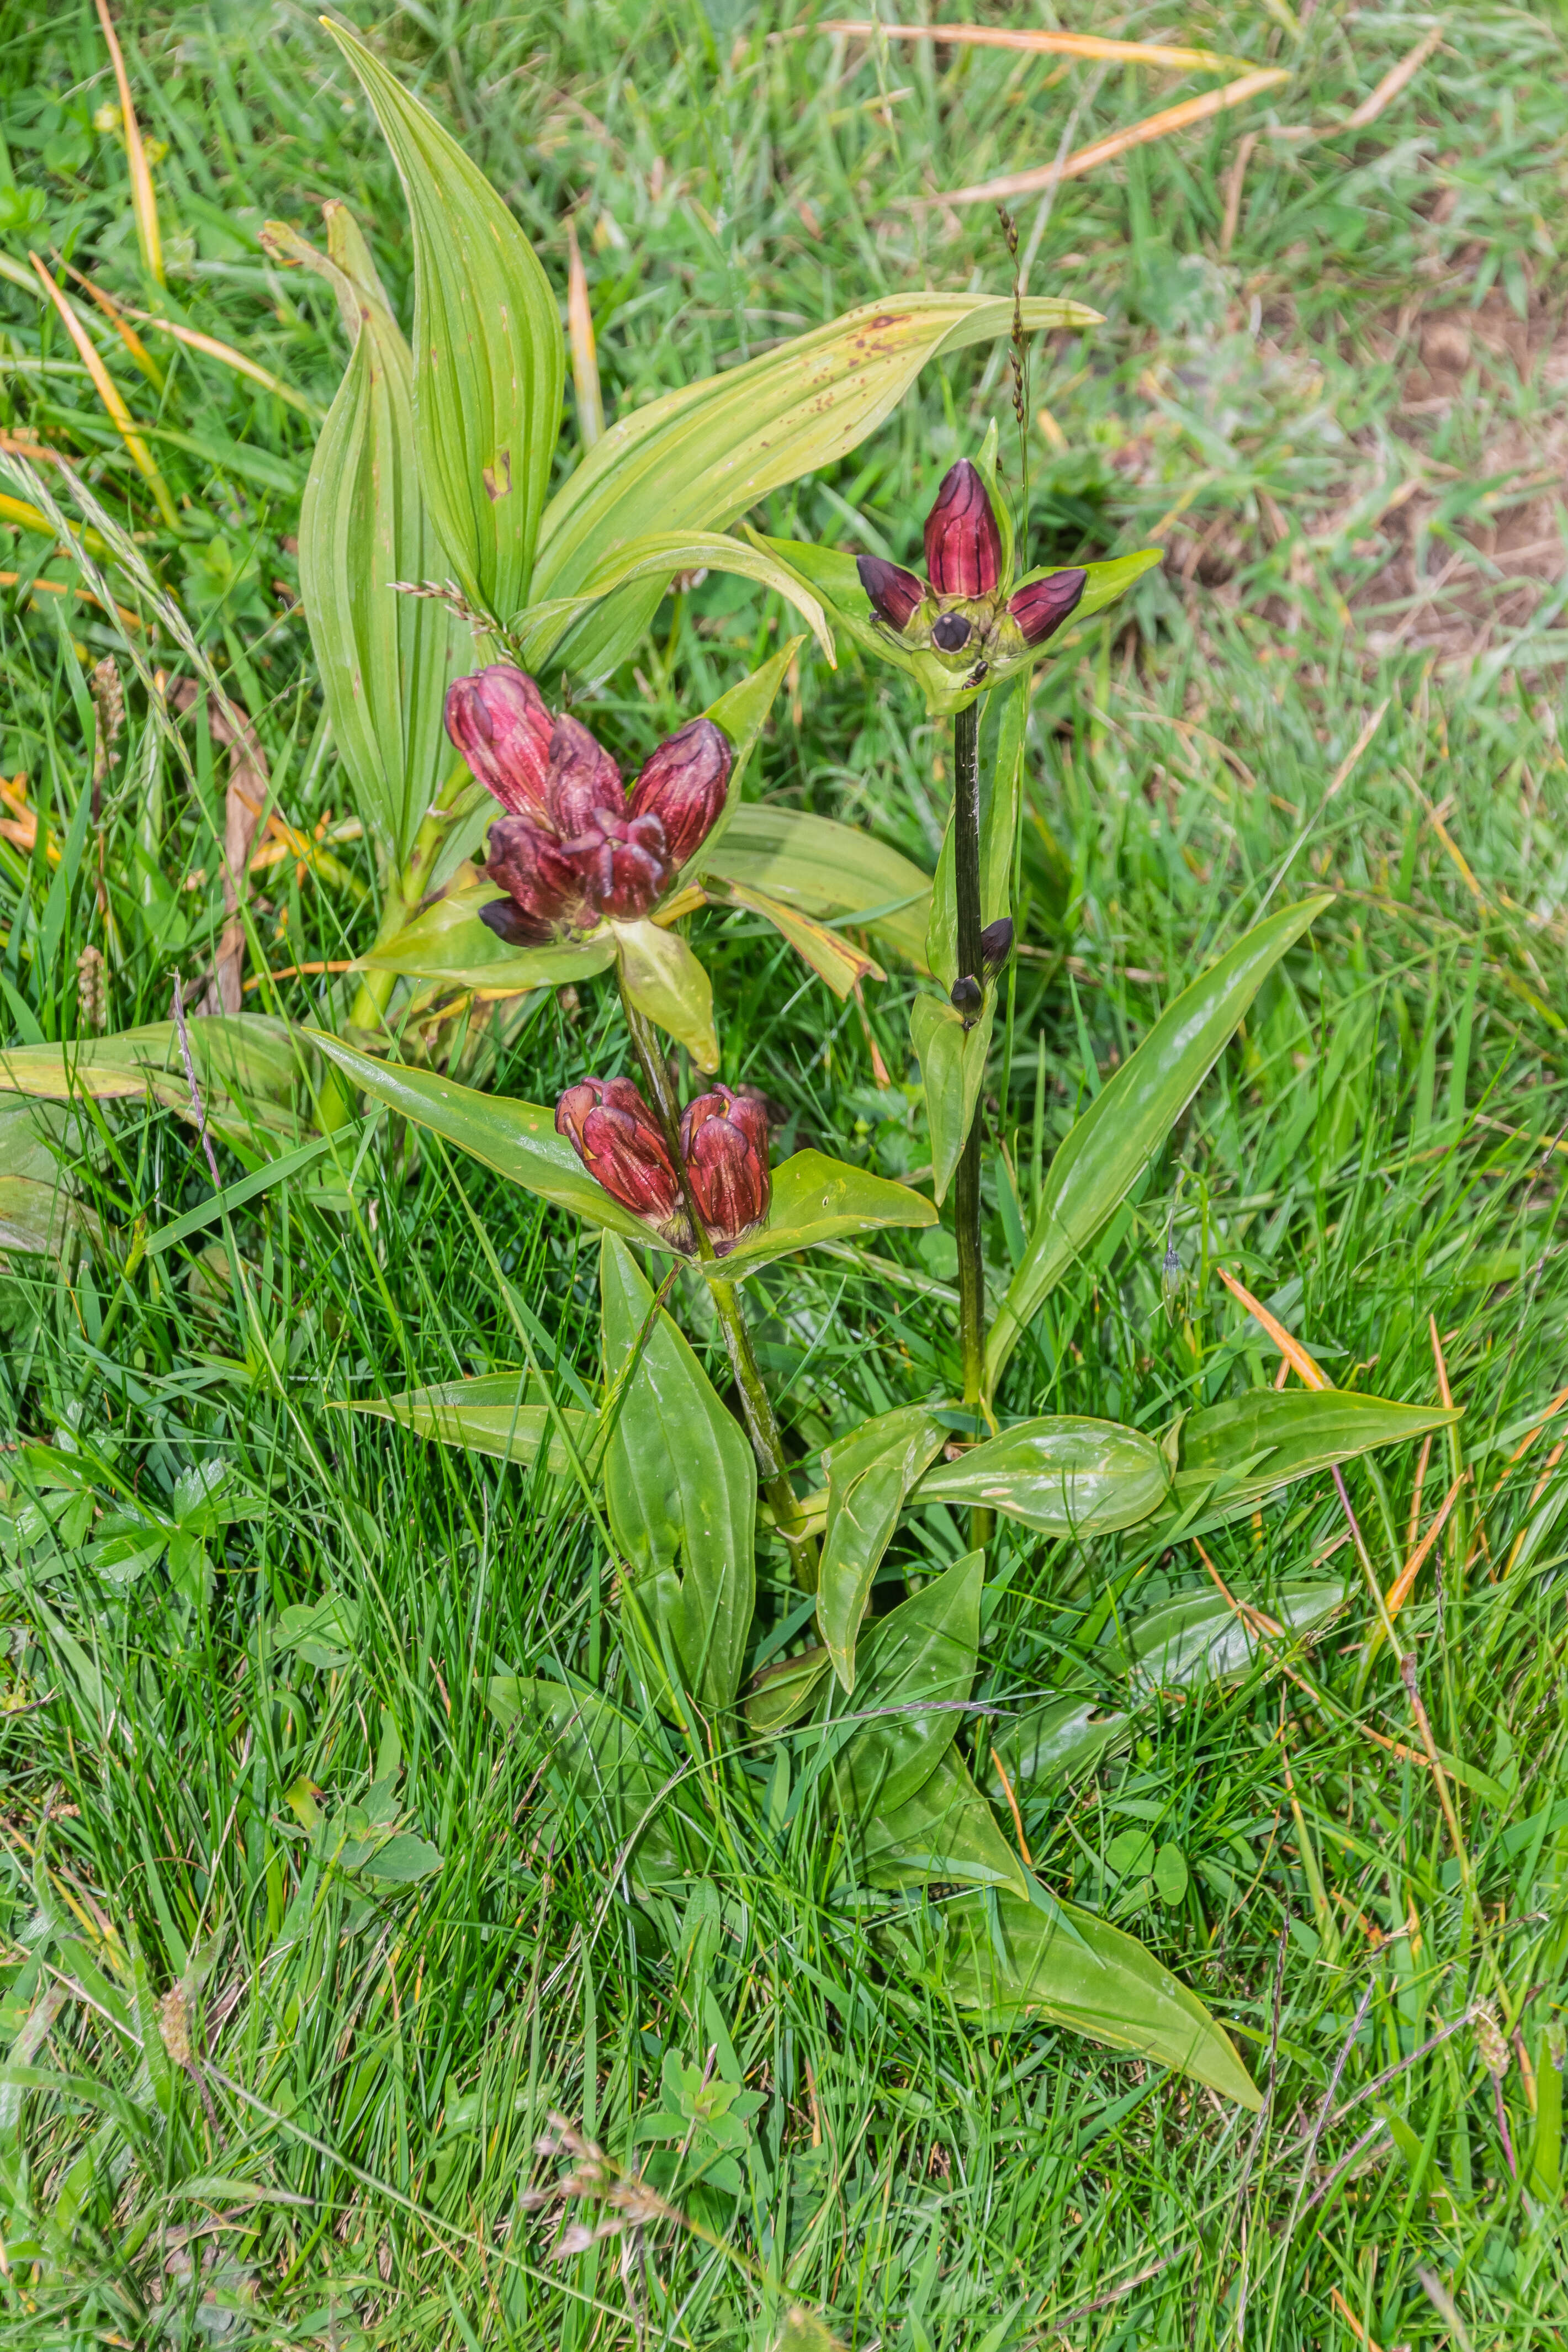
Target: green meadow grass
<point>260,2091</point>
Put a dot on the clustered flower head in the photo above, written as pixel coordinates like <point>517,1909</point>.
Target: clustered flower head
<point>723,1149</point>
<point>574,846</point>
<point>959,610</point>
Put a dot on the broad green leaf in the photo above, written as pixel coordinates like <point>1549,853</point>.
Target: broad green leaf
<point>664,980</point>
<point>322,1633</point>
<point>1002,725</point>
<point>782,1694</point>
<point>658,558</point>
<point>600,1768</point>
<point>1199,1638</point>
<point>1063,1473</point>
<point>498,1413</point>
<point>38,1212</point>
<point>1110,1146</point>
<point>1068,1967</point>
<point>1233,1454</point>
<point>740,714</point>
<point>817,1199</point>
<point>449,942</point>
<point>385,659</point>
<point>912,1673</point>
<point>825,868</point>
<point>680,1489</point>
<point>490,359</point>
<point>1052,1743</point>
<point>403,1861</point>
<point>516,1138</point>
<point>702,456</point>
<point>249,1066</point>
<point>869,1475</point>
<point>953,1066</point>
<point>829,954</point>
<point>946,1831</point>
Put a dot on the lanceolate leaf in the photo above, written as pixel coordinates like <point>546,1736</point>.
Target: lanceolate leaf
<point>782,1694</point>
<point>385,659</point>
<point>912,1674</point>
<point>702,456</point>
<point>666,982</point>
<point>1051,1743</point>
<point>818,1200</point>
<point>658,558</point>
<point>825,868</point>
<point>869,1475</point>
<point>1064,1474</point>
<point>680,1487</point>
<point>1129,1120</point>
<point>500,1414</point>
<point>953,1066</point>
<point>249,1064</point>
<point>946,1832</point>
<point>490,359</point>
<point>1199,1637</point>
<point>1069,1968</point>
<point>600,1766</point>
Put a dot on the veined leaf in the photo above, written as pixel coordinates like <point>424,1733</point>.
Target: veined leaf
<point>500,1414</point>
<point>1049,1743</point>
<point>1070,1969</point>
<point>600,1766</point>
<point>1108,1148</point>
<point>946,1831</point>
<point>1063,1473</point>
<point>449,942</point>
<point>825,868</point>
<point>912,1673</point>
<point>490,359</point>
<point>953,1066</point>
<point>658,558</point>
<point>829,954</point>
<point>249,1066</point>
<point>700,456</point>
<point>680,1489</point>
<point>1199,1637</point>
<point>782,1694</point>
<point>664,980</point>
<point>385,659</point>
<point>869,1475</point>
<point>817,1199</point>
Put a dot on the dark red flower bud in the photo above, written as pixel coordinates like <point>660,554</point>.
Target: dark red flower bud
<point>724,1140</point>
<point>967,996</point>
<point>546,894</point>
<point>621,862</point>
<point>582,779</point>
<point>620,1142</point>
<point>996,944</point>
<point>952,633</point>
<point>896,594</point>
<point>499,722</point>
<point>682,783</point>
<point>1042,607</point>
<point>963,546</point>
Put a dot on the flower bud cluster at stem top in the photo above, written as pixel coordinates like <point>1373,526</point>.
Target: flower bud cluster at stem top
<point>574,846</point>
<point>962,610</point>
<point>723,1148</point>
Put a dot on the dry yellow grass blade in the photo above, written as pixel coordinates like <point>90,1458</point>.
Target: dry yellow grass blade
<point>1053,45</point>
<point>109,393</point>
<point>140,355</point>
<point>1295,1355</point>
<point>1399,1592</point>
<point>1396,79</point>
<point>584,351</point>
<point>225,353</point>
<point>144,199</point>
<point>1170,118</point>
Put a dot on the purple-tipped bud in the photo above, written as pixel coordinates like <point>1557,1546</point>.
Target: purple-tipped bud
<point>582,779</point>
<point>619,1142</point>
<point>996,945</point>
<point>546,895</point>
<point>682,783</point>
<point>963,546</point>
<point>499,722</point>
<point>1042,607</point>
<point>621,863</point>
<point>896,594</point>
<point>967,996</point>
<point>724,1139</point>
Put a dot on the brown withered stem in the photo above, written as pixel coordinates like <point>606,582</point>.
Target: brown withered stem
<point>756,1405</point>
<point>967,1185</point>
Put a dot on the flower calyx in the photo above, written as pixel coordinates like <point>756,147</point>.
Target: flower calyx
<point>723,1175</point>
<point>575,846</point>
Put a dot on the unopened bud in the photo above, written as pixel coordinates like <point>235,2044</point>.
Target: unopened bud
<point>499,722</point>
<point>896,594</point>
<point>545,890</point>
<point>963,546</point>
<point>620,1143</point>
<point>1040,608</point>
<point>996,945</point>
<point>724,1139</point>
<point>683,784</point>
<point>967,996</point>
<point>952,633</point>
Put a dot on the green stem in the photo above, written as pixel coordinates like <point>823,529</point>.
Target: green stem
<point>336,1105</point>
<point>756,1405</point>
<point>967,1183</point>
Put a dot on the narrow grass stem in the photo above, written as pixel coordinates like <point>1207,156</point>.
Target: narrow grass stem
<point>756,1405</point>
<point>966,1183</point>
